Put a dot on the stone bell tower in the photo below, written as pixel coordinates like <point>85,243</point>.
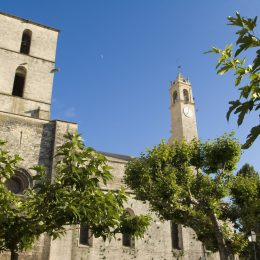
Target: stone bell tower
<point>27,58</point>
<point>183,126</point>
<point>183,117</point>
<point>27,66</point>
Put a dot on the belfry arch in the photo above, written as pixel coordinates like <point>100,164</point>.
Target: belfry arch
<point>19,82</point>
<point>26,41</point>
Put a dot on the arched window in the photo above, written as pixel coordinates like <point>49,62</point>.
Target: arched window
<point>174,97</point>
<point>85,236</point>
<point>175,236</point>
<point>26,42</point>
<point>20,181</point>
<point>19,82</point>
<point>127,239</point>
<point>186,96</point>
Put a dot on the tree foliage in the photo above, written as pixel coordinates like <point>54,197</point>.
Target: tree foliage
<point>74,196</point>
<point>247,77</point>
<point>246,204</point>
<point>189,183</point>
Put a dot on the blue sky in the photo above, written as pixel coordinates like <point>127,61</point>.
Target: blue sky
<point>117,58</point>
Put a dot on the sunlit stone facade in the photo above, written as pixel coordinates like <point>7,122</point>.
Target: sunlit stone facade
<point>27,66</point>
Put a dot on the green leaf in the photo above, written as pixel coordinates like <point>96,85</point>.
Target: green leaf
<point>238,80</point>
<point>254,133</point>
<point>213,50</point>
<point>234,105</point>
<point>225,68</point>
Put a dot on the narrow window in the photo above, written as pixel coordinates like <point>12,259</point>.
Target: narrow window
<point>127,239</point>
<point>85,236</point>
<point>19,82</point>
<point>186,96</point>
<point>175,236</point>
<point>174,97</point>
<point>26,42</point>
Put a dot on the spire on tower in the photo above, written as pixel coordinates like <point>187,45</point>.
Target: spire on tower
<point>179,77</point>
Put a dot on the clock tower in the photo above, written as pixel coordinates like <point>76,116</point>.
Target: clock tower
<point>183,117</point>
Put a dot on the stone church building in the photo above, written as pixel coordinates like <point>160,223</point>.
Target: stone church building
<point>27,66</point>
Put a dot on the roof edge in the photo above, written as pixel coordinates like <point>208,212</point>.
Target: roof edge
<point>117,156</point>
<point>29,21</point>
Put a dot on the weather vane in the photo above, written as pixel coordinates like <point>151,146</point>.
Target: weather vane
<point>178,65</point>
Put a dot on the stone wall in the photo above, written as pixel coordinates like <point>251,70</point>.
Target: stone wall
<point>36,141</point>
<point>31,138</point>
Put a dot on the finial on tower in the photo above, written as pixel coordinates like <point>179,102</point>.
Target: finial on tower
<point>179,69</point>
<point>179,77</point>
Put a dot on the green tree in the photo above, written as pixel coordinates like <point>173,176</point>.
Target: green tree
<point>189,183</point>
<point>75,196</point>
<point>246,204</point>
<point>247,77</point>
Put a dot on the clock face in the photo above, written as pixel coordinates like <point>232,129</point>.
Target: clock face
<point>187,112</point>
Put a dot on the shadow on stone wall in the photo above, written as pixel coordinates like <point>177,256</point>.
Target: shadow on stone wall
<point>46,146</point>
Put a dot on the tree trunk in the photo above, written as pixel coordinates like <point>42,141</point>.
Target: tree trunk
<point>222,247</point>
<point>14,255</point>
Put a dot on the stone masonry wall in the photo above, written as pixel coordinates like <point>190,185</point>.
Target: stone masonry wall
<point>36,142</point>
<point>31,138</point>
